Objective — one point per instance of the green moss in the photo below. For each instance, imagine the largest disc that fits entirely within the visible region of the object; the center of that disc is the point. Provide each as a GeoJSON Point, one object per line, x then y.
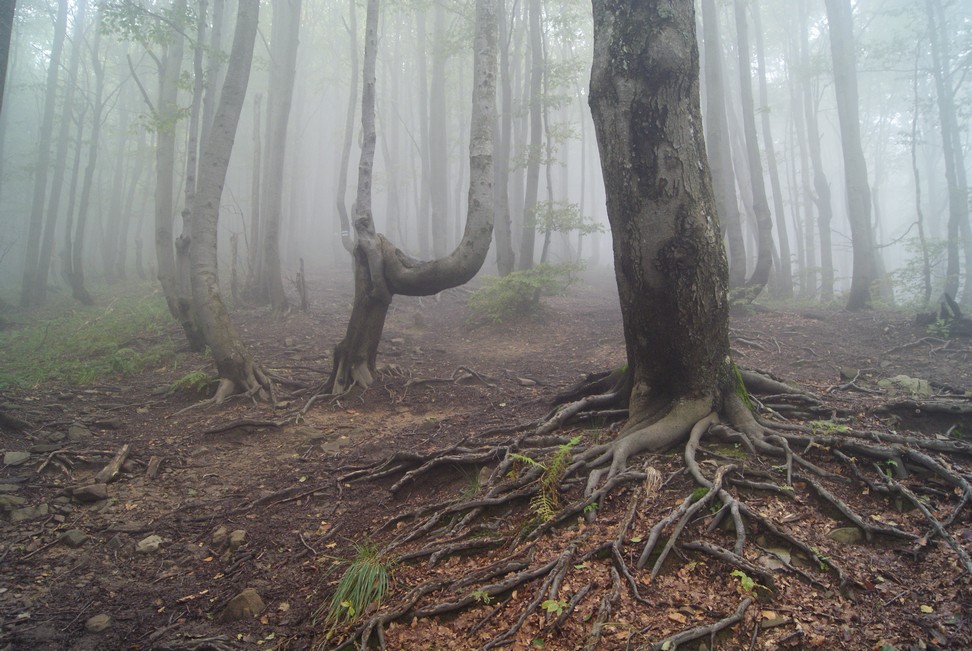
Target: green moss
{"type": "Point", "coordinates": [740, 388]}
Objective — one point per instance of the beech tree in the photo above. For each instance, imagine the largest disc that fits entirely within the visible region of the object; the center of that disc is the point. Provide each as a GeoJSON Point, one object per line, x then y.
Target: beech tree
{"type": "Point", "coordinates": [381, 269]}
{"type": "Point", "coordinates": [237, 371]}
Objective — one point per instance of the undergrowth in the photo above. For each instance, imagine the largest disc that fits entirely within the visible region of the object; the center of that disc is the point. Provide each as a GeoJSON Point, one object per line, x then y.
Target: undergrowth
{"type": "Point", "coordinates": [81, 345]}
{"type": "Point", "coordinates": [518, 293]}
{"type": "Point", "coordinates": [365, 582]}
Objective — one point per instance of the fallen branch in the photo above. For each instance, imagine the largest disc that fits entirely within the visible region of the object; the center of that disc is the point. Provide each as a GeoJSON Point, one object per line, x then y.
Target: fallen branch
{"type": "Point", "coordinates": [674, 641]}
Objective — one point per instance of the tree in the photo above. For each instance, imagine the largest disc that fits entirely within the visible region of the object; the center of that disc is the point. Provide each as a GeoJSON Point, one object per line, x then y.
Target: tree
{"type": "Point", "coordinates": [841, 28]}
{"type": "Point", "coordinates": [237, 371]}
{"type": "Point", "coordinates": [529, 230]}
{"type": "Point", "coordinates": [27, 296]}
{"type": "Point", "coordinates": [381, 270]}
{"type": "Point", "coordinates": [7, 10]}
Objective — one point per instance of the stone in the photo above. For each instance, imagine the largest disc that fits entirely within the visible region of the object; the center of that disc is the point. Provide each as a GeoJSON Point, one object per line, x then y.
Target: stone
{"type": "Point", "coordinates": [56, 437]}
{"type": "Point", "coordinates": [526, 382]}
{"type": "Point", "coordinates": [847, 535]}
{"type": "Point", "coordinates": [43, 448]}
{"type": "Point", "coordinates": [11, 502]}
{"type": "Point", "coordinates": [219, 537]}
{"type": "Point", "coordinates": [91, 493]}
{"type": "Point", "coordinates": [236, 539]}
{"type": "Point", "coordinates": [108, 423]}
{"type": "Point", "coordinates": [29, 513]}
{"type": "Point", "coordinates": [74, 538]}
{"type": "Point", "coordinates": [246, 604]}
{"type": "Point", "coordinates": [847, 373]}
{"type": "Point", "coordinates": [149, 544]}
{"type": "Point", "coordinates": [77, 433]}
{"type": "Point", "coordinates": [398, 341]}
{"type": "Point", "coordinates": [9, 488]}
{"type": "Point", "coordinates": [98, 623]}
{"type": "Point", "coordinates": [905, 384]}
{"type": "Point", "coordinates": [15, 458]}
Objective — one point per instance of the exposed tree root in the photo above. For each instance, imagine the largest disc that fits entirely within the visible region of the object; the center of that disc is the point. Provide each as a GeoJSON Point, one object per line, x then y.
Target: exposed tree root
{"type": "Point", "coordinates": [777, 457]}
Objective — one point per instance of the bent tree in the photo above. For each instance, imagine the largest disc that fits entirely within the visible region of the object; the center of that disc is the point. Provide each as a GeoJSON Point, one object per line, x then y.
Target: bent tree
{"type": "Point", "coordinates": [556, 579]}
{"type": "Point", "coordinates": [381, 269]}
{"type": "Point", "coordinates": [237, 372]}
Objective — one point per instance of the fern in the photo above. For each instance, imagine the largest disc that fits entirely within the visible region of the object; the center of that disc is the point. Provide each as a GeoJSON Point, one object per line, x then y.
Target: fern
{"type": "Point", "coordinates": [546, 503]}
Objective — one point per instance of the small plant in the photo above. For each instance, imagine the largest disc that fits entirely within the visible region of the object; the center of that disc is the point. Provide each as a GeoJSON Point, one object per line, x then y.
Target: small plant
{"type": "Point", "coordinates": [546, 502]}
{"type": "Point", "coordinates": [518, 293]}
{"type": "Point", "coordinates": [699, 493]}
{"type": "Point", "coordinates": [554, 606]}
{"type": "Point", "coordinates": [590, 508]}
{"type": "Point", "coordinates": [746, 582]}
{"type": "Point", "coordinates": [365, 582]}
{"type": "Point", "coordinates": [889, 467]}
{"type": "Point", "coordinates": [939, 328]}
{"type": "Point", "coordinates": [482, 597]}
{"type": "Point", "coordinates": [827, 427]}
{"type": "Point", "coordinates": [193, 382]}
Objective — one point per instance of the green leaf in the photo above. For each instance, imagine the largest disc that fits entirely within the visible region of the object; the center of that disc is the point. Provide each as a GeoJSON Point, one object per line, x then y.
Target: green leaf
{"type": "Point", "coordinates": [926, 609]}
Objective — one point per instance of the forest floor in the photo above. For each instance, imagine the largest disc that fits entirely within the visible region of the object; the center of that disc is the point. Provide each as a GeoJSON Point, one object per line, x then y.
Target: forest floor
{"type": "Point", "coordinates": [155, 558]}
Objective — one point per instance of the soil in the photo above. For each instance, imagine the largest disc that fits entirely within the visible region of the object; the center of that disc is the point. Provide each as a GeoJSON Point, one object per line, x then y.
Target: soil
{"type": "Point", "coordinates": [275, 475]}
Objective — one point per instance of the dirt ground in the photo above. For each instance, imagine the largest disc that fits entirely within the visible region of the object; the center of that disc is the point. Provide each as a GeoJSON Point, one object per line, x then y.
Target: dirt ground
{"type": "Point", "coordinates": [274, 476]}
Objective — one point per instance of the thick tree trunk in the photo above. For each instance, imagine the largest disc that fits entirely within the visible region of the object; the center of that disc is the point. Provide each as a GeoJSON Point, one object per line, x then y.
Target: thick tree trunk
{"type": "Point", "coordinates": [237, 372]}
{"type": "Point", "coordinates": [669, 259]}
{"type": "Point", "coordinates": [27, 297]}
{"type": "Point", "coordinates": [841, 30]}
{"type": "Point", "coordinates": [717, 142]}
{"type": "Point", "coordinates": [438, 151]}
{"type": "Point", "coordinates": [381, 270]}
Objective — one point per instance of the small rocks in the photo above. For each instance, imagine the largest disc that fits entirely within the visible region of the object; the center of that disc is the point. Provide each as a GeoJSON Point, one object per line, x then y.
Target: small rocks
{"type": "Point", "coordinates": [398, 341]}
{"type": "Point", "coordinates": [904, 384]}
{"type": "Point", "coordinates": [11, 502]}
{"type": "Point", "coordinates": [29, 513]}
{"type": "Point", "coordinates": [98, 624]}
{"type": "Point", "coordinates": [236, 538]}
{"type": "Point", "coordinates": [9, 488]}
{"type": "Point", "coordinates": [149, 544]}
{"type": "Point", "coordinates": [246, 604]}
{"type": "Point", "coordinates": [91, 493]}
{"type": "Point", "coordinates": [219, 537]}
{"type": "Point", "coordinates": [74, 538]}
{"type": "Point", "coordinates": [78, 433]}
{"type": "Point", "coordinates": [847, 535]}
{"type": "Point", "coordinates": [15, 458]}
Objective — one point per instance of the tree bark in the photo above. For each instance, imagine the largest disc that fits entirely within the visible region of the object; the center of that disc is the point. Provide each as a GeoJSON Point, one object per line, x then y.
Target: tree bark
{"type": "Point", "coordinates": [529, 230]}
{"type": "Point", "coordinates": [237, 372]}
{"type": "Point", "coordinates": [505, 258]}
{"type": "Point", "coordinates": [7, 12]}
{"type": "Point", "coordinates": [344, 220]}
{"type": "Point", "coordinates": [27, 293]}
{"type": "Point", "coordinates": [669, 259]}
{"type": "Point", "coordinates": [381, 270]}
{"type": "Point", "coordinates": [841, 28]}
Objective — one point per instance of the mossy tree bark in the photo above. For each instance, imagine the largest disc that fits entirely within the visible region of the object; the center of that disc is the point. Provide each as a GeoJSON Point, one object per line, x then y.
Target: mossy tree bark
{"type": "Point", "coordinates": [237, 371]}
{"type": "Point", "coordinates": [381, 270]}
{"type": "Point", "coordinates": [669, 258]}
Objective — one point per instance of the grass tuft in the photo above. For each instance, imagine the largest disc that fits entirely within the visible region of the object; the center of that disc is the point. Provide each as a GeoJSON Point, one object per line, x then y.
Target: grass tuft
{"type": "Point", "coordinates": [365, 582]}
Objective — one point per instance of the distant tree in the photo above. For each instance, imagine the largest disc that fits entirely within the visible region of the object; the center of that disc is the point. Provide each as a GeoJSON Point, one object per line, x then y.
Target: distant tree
{"type": "Point", "coordinates": [841, 29]}
{"type": "Point", "coordinates": [7, 10]}
{"type": "Point", "coordinates": [529, 231]}
{"type": "Point", "coordinates": [381, 270]}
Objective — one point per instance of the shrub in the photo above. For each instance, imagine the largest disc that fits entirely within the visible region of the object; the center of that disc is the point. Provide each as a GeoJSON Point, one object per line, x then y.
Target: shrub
{"type": "Point", "coordinates": [518, 294]}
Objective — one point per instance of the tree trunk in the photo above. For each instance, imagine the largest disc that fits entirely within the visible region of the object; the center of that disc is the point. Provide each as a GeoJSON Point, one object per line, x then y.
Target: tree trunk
{"type": "Point", "coordinates": [786, 272]}
{"type": "Point", "coordinates": [764, 221]}
{"type": "Point", "coordinates": [237, 372]}
{"type": "Point", "coordinates": [841, 29]}
{"type": "Point", "coordinates": [342, 186]}
{"type": "Point", "coordinates": [529, 230]}
{"type": "Point", "coordinates": [7, 11]}
{"type": "Point", "coordinates": [669, 259]}
{"type": "Point", "coordinates": [283, 67]}
{"type": "Point", "coordinates": [61, 155]}
{"type": "Point", "coordinates": [253, 257]}
{"type": "Point", "coordinates": [502, 231]}
{"type": "Point", "coordinates": [27, 289]}
{"type": "Point", "coordinates": [717, 142]}
{"type": "Point", "coordinates": [381, 270]}
{"type": "Point", "coordinates": [438, 152]}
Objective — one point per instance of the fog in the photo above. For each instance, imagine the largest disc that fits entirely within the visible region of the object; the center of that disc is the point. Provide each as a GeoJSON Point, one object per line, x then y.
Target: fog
{"type": "Point", "coordinates": [98, 198]}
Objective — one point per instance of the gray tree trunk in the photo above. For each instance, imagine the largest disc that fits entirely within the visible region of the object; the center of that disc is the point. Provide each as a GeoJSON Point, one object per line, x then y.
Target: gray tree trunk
{"type": "Point", "coordinates": [237, 372]}
{"type": "Point", "coordinates": [29, 281]}
{"type": "Point", "coordinates": [841, 29]}
{"type": "Point", "coordinates": [344, 221]}
{"type": "Point", "coordinates": [7, 11]}
{"type": "Point", "coordinates": [502, 230]}
{"type": "Point", "coordinates": [529, 230]}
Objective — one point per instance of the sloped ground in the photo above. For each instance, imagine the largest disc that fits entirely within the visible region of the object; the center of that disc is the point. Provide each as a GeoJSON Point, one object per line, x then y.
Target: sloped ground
{"type": "Point", "coordinates": [273, 475]}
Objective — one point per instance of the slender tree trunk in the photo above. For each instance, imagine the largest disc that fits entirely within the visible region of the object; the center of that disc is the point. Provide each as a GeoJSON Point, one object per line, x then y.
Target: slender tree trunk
{"type": "Point", "coordinates": [786, 272]}
{"type": "Point", "coordinates": [342, 185]}
{"type": "Point", "coordinates": [7, 10]}
{"type": "Point", "coordinates": [502, 230]}
{"type": "Point", "coordinates": [764, 221]}
{"type": "Point", "coordinates": [425, 197]}
{"type": "Point", "coordinates": [283, 67]}
{"type": "Point", "coordinates": [214, 71]}
{"type": "Point", "coordinates": [61, 155]}
{"type": "Point", "coordinates": [256, 174]}
{"type": "Point", "coordinates": [841, 28]}
{"type": "Point", "coordinates": [128, 214]}
{"type": "Point", "coordinates": [31, 270]}
{"type": "Point", "coordinates": [237, 372]}
{"type": "Point", "coordinates": [529, 232]}
{"type": "Point", "coordinates": [717, 142]}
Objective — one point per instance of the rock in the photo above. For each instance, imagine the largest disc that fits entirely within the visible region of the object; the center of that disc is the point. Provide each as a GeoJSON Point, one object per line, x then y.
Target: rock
{"type": "Point", "coordinates": [15, 458]}
{"type": "Point", "coordinates": [219, 537]}
{"type": "Point", "coordinates": [11, 502]}
{"type": "Point", "coordinates": [526, 382]}
{"type": "Point", "coordinates": [29, 513]}
{"type": "Point", "coordinates": [246, 604]}
{"type": "Point", "coordinates": [108, 423]}
{"type": "Point", "coordinates": [9, 488]}
{"type": "Point", "coordinates": [56, 437]}
{"type": "Point", "coordinates": [77, 433]}
{"type": "Point", "coordinates": [91, 493]}
{"type": "Point", "coordinates": [43, 448]}
{"type": "Point", "coordinates": [236, 539]}
{"type": "Point", "coordinates": [847, 535]}
{"type": "Point", "coordinates": [848, 373]}
{"type": "Point", "coordinates": [74, 538]}
{"type": "Point", "coordinates": [98, 623]}
{"type": "Point", "coordinates": [904, 384]}
{"type": "Point", "coordinates": [149, 544]}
